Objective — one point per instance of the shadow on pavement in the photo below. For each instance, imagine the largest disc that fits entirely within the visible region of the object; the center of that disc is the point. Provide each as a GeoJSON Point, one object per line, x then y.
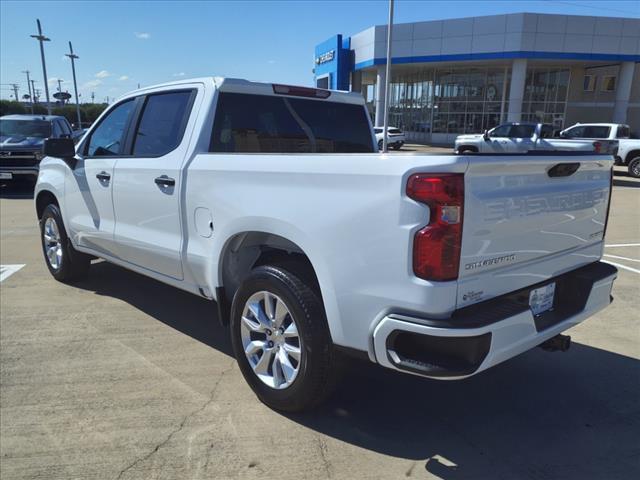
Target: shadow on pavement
{"type": "Point", "coordinates": [182, 311]}
{"type": "Point", "coordinates": [626, 183]}
{"type": "Point", "coordinates": [16, 189]}
{"type": "Point", "coordinates": [573, 415]}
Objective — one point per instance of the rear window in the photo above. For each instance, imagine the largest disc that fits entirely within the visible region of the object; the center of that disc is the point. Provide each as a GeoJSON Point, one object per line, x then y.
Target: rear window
{"type": "Point", "coordinates": [247, 123]}
{"type": "Point", "coordinates": [394, 130]}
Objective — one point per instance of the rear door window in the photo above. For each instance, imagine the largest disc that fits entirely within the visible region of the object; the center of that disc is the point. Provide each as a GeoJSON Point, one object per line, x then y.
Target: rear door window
{"type": "Point", "coordinates": [246, 123]}
{"type": "Point", "coordinates": [162, 123]}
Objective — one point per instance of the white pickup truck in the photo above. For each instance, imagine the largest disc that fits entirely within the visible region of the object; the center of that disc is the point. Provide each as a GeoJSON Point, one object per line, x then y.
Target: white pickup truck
{"type": "Point", "coordinates": [527, 137]}
{"type": "Point", "coordinates": [273, 201]}
{"type": "Point", "coordinates": [628, 148]}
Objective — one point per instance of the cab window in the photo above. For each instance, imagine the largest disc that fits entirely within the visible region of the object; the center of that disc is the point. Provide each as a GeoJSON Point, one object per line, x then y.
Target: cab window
{"type": "Point", "coordinates": [107, 140]}
{"type": "Point", "coordinates": [501, 131]}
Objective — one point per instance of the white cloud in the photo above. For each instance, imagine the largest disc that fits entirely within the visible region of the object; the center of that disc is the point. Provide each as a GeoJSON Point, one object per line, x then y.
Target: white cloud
{"type": "Point", "coordinates": [142, 35]}
{"type": "Point", "coordinates": [102, 74]}
{"type": "Point", "coordinates": [92, 84]}
{"type": "Point", "coordinates": [179, 74]}
{"type": "Point", "coordinates": [123, 78]}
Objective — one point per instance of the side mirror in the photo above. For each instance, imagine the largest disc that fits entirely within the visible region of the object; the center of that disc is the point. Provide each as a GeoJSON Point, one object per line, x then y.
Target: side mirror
{"type": "Point", "coordinates": [59, 147]}
{"type": "Point", "coordinates": [63, 148]}
{"type": "Point", "coordinates": [485, 135]}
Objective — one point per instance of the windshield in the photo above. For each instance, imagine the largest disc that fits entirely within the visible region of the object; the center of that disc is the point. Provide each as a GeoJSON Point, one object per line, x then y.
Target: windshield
{"type": "Point", "coordinates": [25, 128]}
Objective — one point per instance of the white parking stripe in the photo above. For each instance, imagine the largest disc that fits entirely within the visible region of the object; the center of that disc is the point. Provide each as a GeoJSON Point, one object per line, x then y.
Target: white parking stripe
{"type": "Point", "coordinates": [624, 267]}
{"type": "Point", "coordinates": [7, 270]}
{"type": "Point", "coordinates": [623, 245]}
{"type": "Point", "coordinates": [622, 258]}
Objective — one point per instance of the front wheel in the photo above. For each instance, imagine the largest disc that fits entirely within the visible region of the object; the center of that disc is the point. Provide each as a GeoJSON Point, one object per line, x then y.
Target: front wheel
{"type": "Point", "coordinates": [634, 167]}
{"type": "Point", "coordinates": [64, 262]}
{"type": "Point", "coordinates": [281, 340]}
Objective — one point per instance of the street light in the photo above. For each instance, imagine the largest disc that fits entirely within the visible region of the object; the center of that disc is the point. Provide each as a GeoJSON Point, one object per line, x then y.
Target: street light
{"type": "Point", "coordinates": [73, 58]}
{"type": "Point", "coordinates": [41, 38]}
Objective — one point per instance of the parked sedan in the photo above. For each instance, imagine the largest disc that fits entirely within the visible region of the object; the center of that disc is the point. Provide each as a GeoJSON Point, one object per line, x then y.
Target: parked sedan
{"type": "Point", "coordinates": [395, 137]}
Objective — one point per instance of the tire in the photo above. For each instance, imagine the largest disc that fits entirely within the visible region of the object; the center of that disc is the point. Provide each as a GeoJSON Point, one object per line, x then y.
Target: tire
{"type": "Point", "coordinates": [397, 146]}
{"type": "Point", "coordinates": [634, 167]}
{"type": "Point", "coordinates": [380, 144]}
{"type": "Point", "coordinates": [63, 261]}
{"type": "Point", "coordinates": [280, 380]}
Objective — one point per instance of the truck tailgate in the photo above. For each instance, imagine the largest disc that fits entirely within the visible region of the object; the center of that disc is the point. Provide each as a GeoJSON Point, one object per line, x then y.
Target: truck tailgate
{"type": "Point", "coordinates": [527, 219]}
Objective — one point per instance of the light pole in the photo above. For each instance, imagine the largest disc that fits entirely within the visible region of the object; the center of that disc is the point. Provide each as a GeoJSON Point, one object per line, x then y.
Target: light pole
{"type": "Point", "coordinates": [387, 80]}
{"type": "Point", "coordinates": [73, 58]}
{"type": "Point", "coordinates": [41, 38]}
{"type": "Point", "coordinates": [15, 91]}
{"type": "Point", "coordinates": [29, 88]}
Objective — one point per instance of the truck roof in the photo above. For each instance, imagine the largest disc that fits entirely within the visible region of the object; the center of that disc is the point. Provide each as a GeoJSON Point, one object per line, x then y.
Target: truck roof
{"type": "Point", "coordinates": [31, 117]}
{"type": "Point", "coordinates": [240, 85]}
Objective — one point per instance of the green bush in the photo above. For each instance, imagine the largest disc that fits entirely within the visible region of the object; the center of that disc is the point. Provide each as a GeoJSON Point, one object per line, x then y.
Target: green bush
{"type": "Point", "coordinates": [89, 112]}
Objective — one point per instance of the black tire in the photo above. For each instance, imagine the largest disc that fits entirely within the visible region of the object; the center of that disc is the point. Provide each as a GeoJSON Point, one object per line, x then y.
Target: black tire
{"type": "Point", "coordinates": [634, 167]}
{"type": "Point", "coordinates": [72, 264]}
{"type": "Point", "coordinates": [380, 144]}
{"type": "Point", "coordinates": [397, 146]}
{"type": "Point", "coordinates": [316, 375]}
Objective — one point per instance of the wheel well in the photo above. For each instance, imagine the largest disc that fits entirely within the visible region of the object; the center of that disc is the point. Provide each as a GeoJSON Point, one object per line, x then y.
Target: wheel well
{"type": "Point", "coordinates": [631, 155]}
{"type": "Point", "coordinates": [248, 250]}
{"type": "Point", "coordinates": [43, 199]}
{"type": "Point", "coordinates": [468, 148]}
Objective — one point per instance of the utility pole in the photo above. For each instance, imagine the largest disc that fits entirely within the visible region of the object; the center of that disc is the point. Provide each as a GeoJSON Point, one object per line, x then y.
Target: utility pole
{"type": "Point", "coordinates": [41, 38]}
{"type": "Point", "coordinates": [387, 80]}
{"type": "Point", "coordinates": [93, 96]}
{"type": "Point", "coordinates": [60, 85]}
{"type": "Point", "coordinates": [73, 58]}
{"type": "Point", "coordinates": [29, 88]}
{"type": "Point", "coordinates": [33, 89]}
{"type": "Point", "coordinates": [15, 91]}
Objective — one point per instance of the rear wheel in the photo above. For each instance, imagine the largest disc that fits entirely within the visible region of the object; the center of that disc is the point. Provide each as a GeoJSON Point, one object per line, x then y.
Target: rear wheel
{"type": "Point", "coordinates": [63, 261]}
{"type": "Point", "coordinates": [397, 146]}
{"type": "Point", "coordinates": [281, 340]}
{"type": "Point", "coordinates": [634, 167]}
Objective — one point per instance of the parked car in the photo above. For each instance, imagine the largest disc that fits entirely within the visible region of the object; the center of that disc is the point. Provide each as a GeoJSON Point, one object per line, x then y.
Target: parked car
{"type": "Point", "coordinates": [395, 137]}
{"type": "Point", "coordinates": [527, 137]}
{"type": "Point", "coordinates": [628, 148]}
{"type": "Point", "coordinates": [21, 140]}
{"type": "Point", "coordinates": [273, 201]}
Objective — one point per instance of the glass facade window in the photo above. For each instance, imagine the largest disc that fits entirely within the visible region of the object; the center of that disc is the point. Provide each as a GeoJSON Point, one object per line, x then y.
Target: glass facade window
{"type": "Point", "coordinates": [545, 95]}
{"type": "Point", "coordinates": [453, 100]}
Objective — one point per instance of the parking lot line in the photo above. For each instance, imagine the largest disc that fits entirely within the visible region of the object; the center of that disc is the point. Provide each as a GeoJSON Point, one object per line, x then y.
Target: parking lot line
{"type": "Point", "coordinates": [624, 267]}
{"type": "Point", "coordinates": [622, 258]}
{"type": "Point", "coordinates": [623, 245]}
{"type": "Point", "coordinates": [7, 270]}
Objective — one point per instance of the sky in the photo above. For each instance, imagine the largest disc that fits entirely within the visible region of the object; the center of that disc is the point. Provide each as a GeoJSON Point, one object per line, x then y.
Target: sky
{"type": "Point", "coordinates": [125, 43]}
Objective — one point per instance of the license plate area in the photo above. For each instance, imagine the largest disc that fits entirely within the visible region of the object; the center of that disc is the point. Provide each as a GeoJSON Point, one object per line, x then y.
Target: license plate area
{"type": "Point", "coordinates": [541, 298]}
{"type": "Point", "coordinates": [6, 176]}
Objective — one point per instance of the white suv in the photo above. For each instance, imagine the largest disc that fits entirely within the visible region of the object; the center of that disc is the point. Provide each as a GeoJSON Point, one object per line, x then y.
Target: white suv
{"type": "Point", "coordinates": [395, 137]}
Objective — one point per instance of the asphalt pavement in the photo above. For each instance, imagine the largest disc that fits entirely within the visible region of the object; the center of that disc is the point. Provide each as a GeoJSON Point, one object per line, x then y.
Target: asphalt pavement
{"type": "Point", "coordinates": [122, 377]}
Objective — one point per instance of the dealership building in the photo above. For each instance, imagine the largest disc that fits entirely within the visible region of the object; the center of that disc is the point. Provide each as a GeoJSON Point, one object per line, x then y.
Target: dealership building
{"type": "Point", "coordinates": [466, 75]}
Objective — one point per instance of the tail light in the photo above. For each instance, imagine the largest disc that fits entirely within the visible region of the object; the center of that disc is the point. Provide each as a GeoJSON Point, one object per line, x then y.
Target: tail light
{"type": "Point", "coordinates": [436, 247]}
{"type": "Point", "coordinates": [597, 147]}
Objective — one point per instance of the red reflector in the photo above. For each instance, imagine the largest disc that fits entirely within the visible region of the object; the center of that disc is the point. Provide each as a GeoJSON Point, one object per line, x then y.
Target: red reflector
{"type": "Point", "coordinates": [436, 247]}
{"type": "Point", "coordinates": [300, 91]}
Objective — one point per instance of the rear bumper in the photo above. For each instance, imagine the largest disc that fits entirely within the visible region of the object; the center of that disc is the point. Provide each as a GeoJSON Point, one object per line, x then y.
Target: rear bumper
{"type": "Point", "coordinates": [479, 337]}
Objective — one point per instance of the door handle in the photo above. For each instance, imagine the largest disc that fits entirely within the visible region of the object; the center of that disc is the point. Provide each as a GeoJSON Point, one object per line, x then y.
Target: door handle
{"type": "Point", "coordinates": [103, 176]}
{"type": "Point", "coordinates": [165, 181]}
